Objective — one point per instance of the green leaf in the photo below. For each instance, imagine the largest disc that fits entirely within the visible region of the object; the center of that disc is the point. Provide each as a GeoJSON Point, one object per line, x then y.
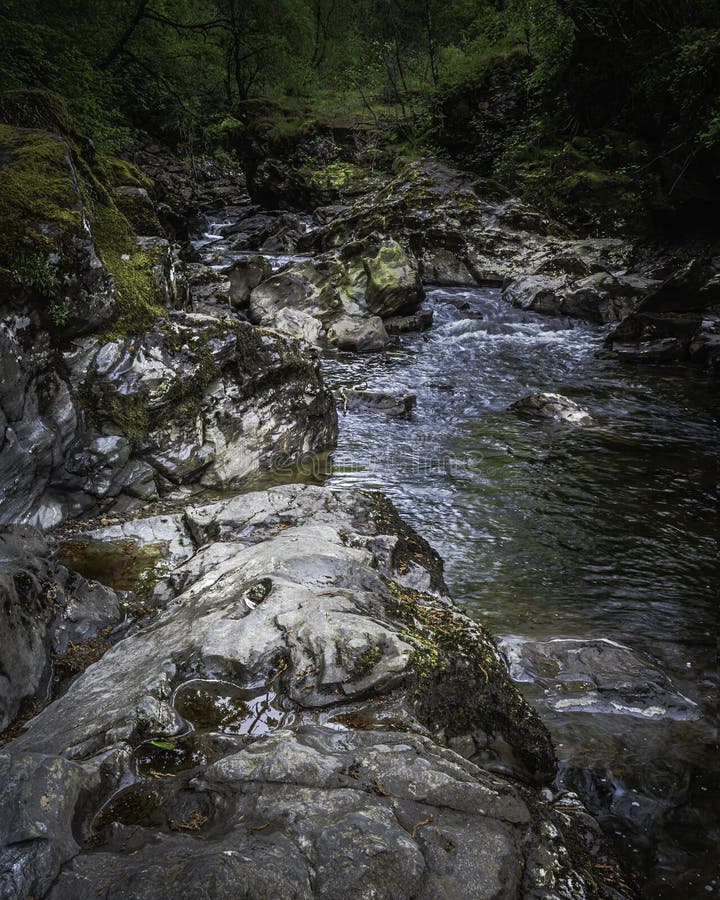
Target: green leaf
{"type": "Point", "coordinates": [162, 745]}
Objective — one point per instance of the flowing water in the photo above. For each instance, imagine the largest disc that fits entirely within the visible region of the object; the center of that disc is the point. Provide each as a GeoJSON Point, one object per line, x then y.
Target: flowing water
{"type": "Point", "coordinates": [551, 531]}
{"type": "Point", "coordinates": [548, 530]}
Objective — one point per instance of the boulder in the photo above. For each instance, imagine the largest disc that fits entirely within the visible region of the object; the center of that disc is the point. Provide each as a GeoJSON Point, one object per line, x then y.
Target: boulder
{"type": "Point", "coordinates": [358, 333]}
{"type": "Point", "coordinates": [393, 282]}
{"type": "Point", "coordinates": [377, 401]}
{"type": "Point", "coordinates": [188, 395]}
{"type": "Point", "coordinates": [553, 406]}
{"type": "Point", "coordinates": [283, 725]}
{"type": "Point", "coordinates": [679, 321]}
{"type": "Point", "coordinates": [244, 276]}
{"type": "Point", "coordinates": [419, 321]}
{"type": "Point", "coordinates": [301, 286]}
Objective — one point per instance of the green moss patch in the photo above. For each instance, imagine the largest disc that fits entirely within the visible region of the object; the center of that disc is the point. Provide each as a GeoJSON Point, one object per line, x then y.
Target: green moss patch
{"type": "Point", "coordinates": [40, 200]}
{"type": "Point", "coordinates": [459, 682]}
{"type": "Point", "coordinates": [134, 271]}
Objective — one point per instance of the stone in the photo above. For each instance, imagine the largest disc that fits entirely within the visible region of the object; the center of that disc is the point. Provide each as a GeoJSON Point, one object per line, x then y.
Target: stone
{"type": "Point", "coordinates": [553, 406]}
{"type": "Point", "coordinates": [597, 676]}
{"type": "Point", "coordinates": [297, 324]}
{"type": "Point", "coordinates": [360, 334]}
{"type": "Point", "coordinates": [321, 609]}
{"type": "Point", "coordinates": [300, 286]}
{"type": "Point", "coordinates": [244, 276]}
{"type": "Point", "coordinates": [43, 607]}
{"type": "Point", "coordinates": [420, 321]}
{"type": "Point", "coordinates": [393, 282]}
{"type": "Point", "coordinates": [377, 401]}
{"type": "Point", "coordinates": [187, 395]}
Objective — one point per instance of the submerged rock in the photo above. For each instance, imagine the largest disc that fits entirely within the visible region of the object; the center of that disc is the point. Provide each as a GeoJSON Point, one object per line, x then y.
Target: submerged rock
{"type": "Point", "coordinates": [378, 401]}
{"type": "Point", "coordinates": [597, 676]}
{"type": "Point", "coordinates": [330, 607]}
{"type": "Point", "coordinates": [553, 406]}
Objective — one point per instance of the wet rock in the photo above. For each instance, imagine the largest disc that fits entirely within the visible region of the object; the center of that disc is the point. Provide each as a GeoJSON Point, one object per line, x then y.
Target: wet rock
{"type": "Point", "coordinates": [337, 290]}
{"type": "Point", "coordinates": [208, 290]}
{"type": "Point", "coordinates": [441, 217]}
{"type": "Point", "coordinates": [420, 321]}
{"type": "Point", "coordinates": [43, 608]}
{"type": "Point", "coordinates": [446, 268]}
{"type": "Point", "coordinates": [597, 676]}
{"type": "Point", "coordinates": [301, 287]}
{"type": "Point", "coordinates": [378, 401]}
{"type": "Point", "coordinates": [678, 321]}
{"type": "Point", "coordinates": [245, 275]}
{"type": "Point", "coordinates": [553, 406]}
{"type": "Point", "coordinates": [393, 282]}
{"type": "Point", "coordinates": [38, 419]}
{"type": "Point", "coordinates": [360, 334]}
{"type": "Point", "coordinates": [303, 593]}
{"type": "Point", "coordinates": [599, 297]}
{"type": "Point", "coordinates": [187, 394]}
{"type": "Point", "coordinates": [297, 324]}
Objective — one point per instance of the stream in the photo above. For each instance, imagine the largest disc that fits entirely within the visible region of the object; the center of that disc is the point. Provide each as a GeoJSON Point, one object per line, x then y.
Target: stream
{"type": "Point", "coordinates": [605, 533]}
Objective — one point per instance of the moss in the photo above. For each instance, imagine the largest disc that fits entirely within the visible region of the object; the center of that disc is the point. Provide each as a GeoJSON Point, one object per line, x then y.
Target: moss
{"type": "Point", "coordinates": [40, 201]}
{"type": "Point", "coordinates": [182, 401]}
{"type": "Point", "coordinates": [121, 173]}
{"type": "Point", "coordinates": [37, 109]}
{"type": "Point", "coordinates": [138, 211]}
{"type": "Point", "coordinates": [595, 184]}
{"type": "Point", "coordinates": [367, 661]}
{"type": "Point", "coordinates": [335, 176]}
{"type": "Point", "coordinates": [50, 194]}
{"type": "Point", "coordinates": [459, 682]}
{"type": "Point", "coordinates": [139, 298]}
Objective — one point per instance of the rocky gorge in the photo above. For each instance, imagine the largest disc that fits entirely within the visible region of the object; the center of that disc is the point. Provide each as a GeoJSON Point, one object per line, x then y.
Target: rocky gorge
{"type": "Point", "coordinates": [225, 668]}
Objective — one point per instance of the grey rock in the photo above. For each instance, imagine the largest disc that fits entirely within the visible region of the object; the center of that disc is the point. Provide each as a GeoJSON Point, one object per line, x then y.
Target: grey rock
{"type": "Point", "coordinates": [553, 406]}
{"type": "Point", "coordinates": [419, 321]}
{"type": "Point", "coordinates": [38, 419]}
{"type": "Point", "coordinates": [297, 324]}
{"type": "Point", "coordinates": [188, 395]}
{"type": "Point", "coordinates": [305, 591]}
{"type": "Point", "coordinates": [42, 608]}
{"type": "Point", "coordinates": [378, 401]}
{"type": "Point", "coordinates": [360, 334]}
{"type": "Point", "coordinates": [244, 276]}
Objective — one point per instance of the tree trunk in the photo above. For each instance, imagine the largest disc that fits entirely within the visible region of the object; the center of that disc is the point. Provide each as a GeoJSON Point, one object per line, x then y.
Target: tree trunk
{"type": "Point", "coordinates": [119, 45]}
{"type": "Point", "coordinates": [431, 41]}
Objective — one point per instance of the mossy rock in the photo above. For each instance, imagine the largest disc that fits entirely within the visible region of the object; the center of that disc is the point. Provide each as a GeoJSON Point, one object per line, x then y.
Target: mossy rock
{"type": "Point", "coordinates": [38, 109]}
{"type": "Point", "coordinates": [594, 184]}
{"type": "Point", "coordinates": [41, 203]}
{"type": "Point", "coordinates": [122, 173]}
{"type": "Point", "coordinates": [459, 683]}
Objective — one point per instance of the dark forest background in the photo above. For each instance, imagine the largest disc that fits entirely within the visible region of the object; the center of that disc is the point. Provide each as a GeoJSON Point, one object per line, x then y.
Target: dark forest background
{"type": "Point", "coordinates": [589, 105]}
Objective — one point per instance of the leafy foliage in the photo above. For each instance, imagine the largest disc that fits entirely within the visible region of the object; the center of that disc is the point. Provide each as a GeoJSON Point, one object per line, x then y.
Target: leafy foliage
{"type": "Point", "coordinates": [507, 85]}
